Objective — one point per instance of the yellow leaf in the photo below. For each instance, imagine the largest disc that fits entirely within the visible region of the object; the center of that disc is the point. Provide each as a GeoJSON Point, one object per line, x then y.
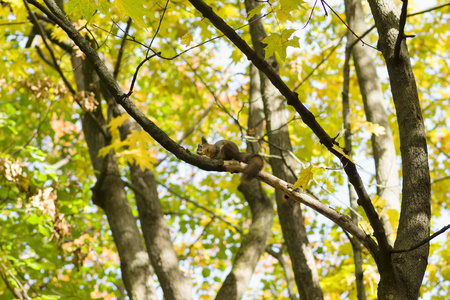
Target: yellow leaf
{"type": "Point", "coordinates": [186, 39]}
{"type": "Point", "coordinates": [303, 178]}
{"type": "Point", "coordinates": [286, 7]}
{"type": "Point", "coordinates": [86, 7]}
{"type": "Point", "coordinates": [255, 11]}
{"type": "Point", "coordinates": [118, 121]}
{"type": "Point", "coordinates": [277, 43]}
{"type": "Point", "coordinates": [375, 128]}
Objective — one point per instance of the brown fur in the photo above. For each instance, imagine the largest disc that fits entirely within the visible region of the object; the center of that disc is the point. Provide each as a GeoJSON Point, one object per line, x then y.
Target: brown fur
{"type": "Point", "coordinates": [227, 150]}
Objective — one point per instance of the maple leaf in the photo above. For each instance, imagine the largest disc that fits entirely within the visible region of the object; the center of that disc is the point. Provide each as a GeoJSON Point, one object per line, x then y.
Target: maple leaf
{"type": "Point", "coordinates": [88, 7]}
{"type": "Point", "coordinates": [277, 43]}
{"type": "Point", "coordinates": [186, 39]}
{"type": "Point", "coordinates": [255, 11]}
{"type": "Point", "coordinates": [375, 129]}
{"type": "Point", "coordinates": [286, 7]}
{"type": "Point", "coordinates": [304, 177]}
{"type": "Point", "coordinates": [132, 8]}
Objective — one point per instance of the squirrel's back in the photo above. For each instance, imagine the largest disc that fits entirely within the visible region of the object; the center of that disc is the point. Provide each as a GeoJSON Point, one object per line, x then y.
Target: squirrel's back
{"type": "Point", "coordinates": [227, 150]}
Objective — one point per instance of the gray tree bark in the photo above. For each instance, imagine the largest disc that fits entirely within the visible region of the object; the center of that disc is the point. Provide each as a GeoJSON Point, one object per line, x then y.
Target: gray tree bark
{"type": "Point", "coordinates": [383, 144]}
{"type": "Point", "coordinates": [253, 244]}
{"type": "Point", "coordinates": [290, 213]}
{"type": "Point", "coordinates": [110, 195]}
{"type": "Point", "coordinates": [402, 274]}
{"type": "Point", "coordinates": [154, 226]}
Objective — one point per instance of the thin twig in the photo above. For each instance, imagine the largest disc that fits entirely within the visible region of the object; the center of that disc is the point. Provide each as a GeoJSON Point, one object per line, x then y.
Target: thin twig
{"type": "Point", "coordinates": [429, 9]}
{"type": "Point", "coordinates": [444, 229]}
{"type": "Point", "coordinates": [133, 81]}
{"type": "Point", "coordinates": [159, 26]}
{"type": "Point", "coordinates": [319, 64]}
{"type": "Point", "coordinates": [348, 27]}
{"type": "Point", "coordinates": [122, 47]}
{"type": "Point", "coordinates": [310, 16]}
{"type": "Point", "coordinates": [401, 30]}
{"type": "Point", "coordinates": [440, 179]}
{"type": "Point", "coordinates": [213, 214]}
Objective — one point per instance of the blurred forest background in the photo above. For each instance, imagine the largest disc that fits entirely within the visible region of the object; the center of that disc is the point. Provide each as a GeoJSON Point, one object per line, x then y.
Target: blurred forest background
{"type": "Point", "coordinates": [92, 206]}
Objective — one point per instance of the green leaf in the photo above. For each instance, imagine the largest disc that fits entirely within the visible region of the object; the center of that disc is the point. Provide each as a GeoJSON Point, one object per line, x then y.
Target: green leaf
{"type": "Point", "coordinates": [206, 272]}
{"type": "Point", "coordinates": [277, 43]}
{"type": "Point", "coordinates": [33, 219]}
{"type": "Point", "coordinates": [186, 39]}
{"type": "Point", "coordinates": [286, 7]}
{"type": "Point", "coordinates": [44, 230]}
{"type": "Point", "coordinates": [86, 7]}
{"type": "Point", "coordinates": [132, 8]}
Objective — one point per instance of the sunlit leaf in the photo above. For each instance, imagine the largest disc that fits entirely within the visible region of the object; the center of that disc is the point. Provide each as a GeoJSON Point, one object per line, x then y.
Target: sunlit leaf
{"type": "Point", "coordinates": [303, 178]}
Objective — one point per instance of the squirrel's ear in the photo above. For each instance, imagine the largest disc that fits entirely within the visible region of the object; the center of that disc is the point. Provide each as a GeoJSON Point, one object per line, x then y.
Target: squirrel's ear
{"type": "Point", "coordinates": [204, 141]}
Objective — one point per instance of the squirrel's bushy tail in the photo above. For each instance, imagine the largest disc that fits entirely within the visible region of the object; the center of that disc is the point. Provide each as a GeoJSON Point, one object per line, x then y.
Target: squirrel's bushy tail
{"type": "Point", "coordinates": [255, 163]}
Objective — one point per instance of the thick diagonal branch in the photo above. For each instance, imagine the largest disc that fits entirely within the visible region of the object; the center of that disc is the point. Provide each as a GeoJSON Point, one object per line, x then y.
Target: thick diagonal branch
{"type": "Point", "coordinates": [307, 116]}
{"type": "Point", "coordinates": [56, 15]}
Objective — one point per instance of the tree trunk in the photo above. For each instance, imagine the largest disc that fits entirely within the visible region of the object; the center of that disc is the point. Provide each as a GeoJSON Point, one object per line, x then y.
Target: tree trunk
{"type": "Point", "coordinates": [382, 144]}
{"type": "Point", "coordinates": [154, 226]}
{"type": "Point", "coordinates": [255, 241]}
{"type": "Point", "coordinates": [110, 195]}
{"type": "Point", "coordinates": [290, 213]}
{"type": "Point", "coordinates": [404, 278]}
{"type": "Point", "coordinates": [253, 244]}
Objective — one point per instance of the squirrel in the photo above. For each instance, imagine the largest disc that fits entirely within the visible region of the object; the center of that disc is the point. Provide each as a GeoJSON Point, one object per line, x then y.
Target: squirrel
{"type": "Point", "coordinates": [227, 150]}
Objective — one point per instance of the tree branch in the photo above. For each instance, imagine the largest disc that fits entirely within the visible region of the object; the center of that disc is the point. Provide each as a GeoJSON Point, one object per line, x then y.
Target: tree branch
{"type": "Point", "coordinates": [116, 91]}
{"type": "Point", "coordinates": [444, 229]}
{"type": "Point", "coordinates": [121, 50]}
{"type": "Point", "coordinates": [50, 50]}
{"type": "Point", "coordinates": [218, 165]}
{"type": "Point", "coordinates": [342, 220]}
{"type": "Point", "coordinates": [401, 30]}
{"type": "Point", "coordinates": [55, 65]}
{"type": "Point", "coordinates": [307, 117]}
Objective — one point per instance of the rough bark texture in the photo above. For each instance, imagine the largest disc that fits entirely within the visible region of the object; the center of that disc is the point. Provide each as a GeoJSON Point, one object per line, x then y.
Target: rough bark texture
{"type": "Point", "coordinates": [154, 227]}
{"type": "Point", "coordinates": [403, 279]}
{"type": "Point", "coordinates": [157, 238]}
{"type": "Point", "coordinates": [290, 213]}
{"type": "Point", "coordinates": [383, 144]}
{"type": "Point", "coordinates": [110, 196]}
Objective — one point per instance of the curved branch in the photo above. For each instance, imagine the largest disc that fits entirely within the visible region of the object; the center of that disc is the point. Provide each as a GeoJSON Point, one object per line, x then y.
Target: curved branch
{"type": "Point", "coordinates": [56, 15]}
{"type": "Point", "coordinates": [307, 117]}
{"type": "Point", "coordinates": [218, 165]}
{"type": "Point", "coordinates": [122, 47]}
{"type": "Point", "coordinates": [442, 230]}
{"type": "Point", "coordinates": [340, 219]}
